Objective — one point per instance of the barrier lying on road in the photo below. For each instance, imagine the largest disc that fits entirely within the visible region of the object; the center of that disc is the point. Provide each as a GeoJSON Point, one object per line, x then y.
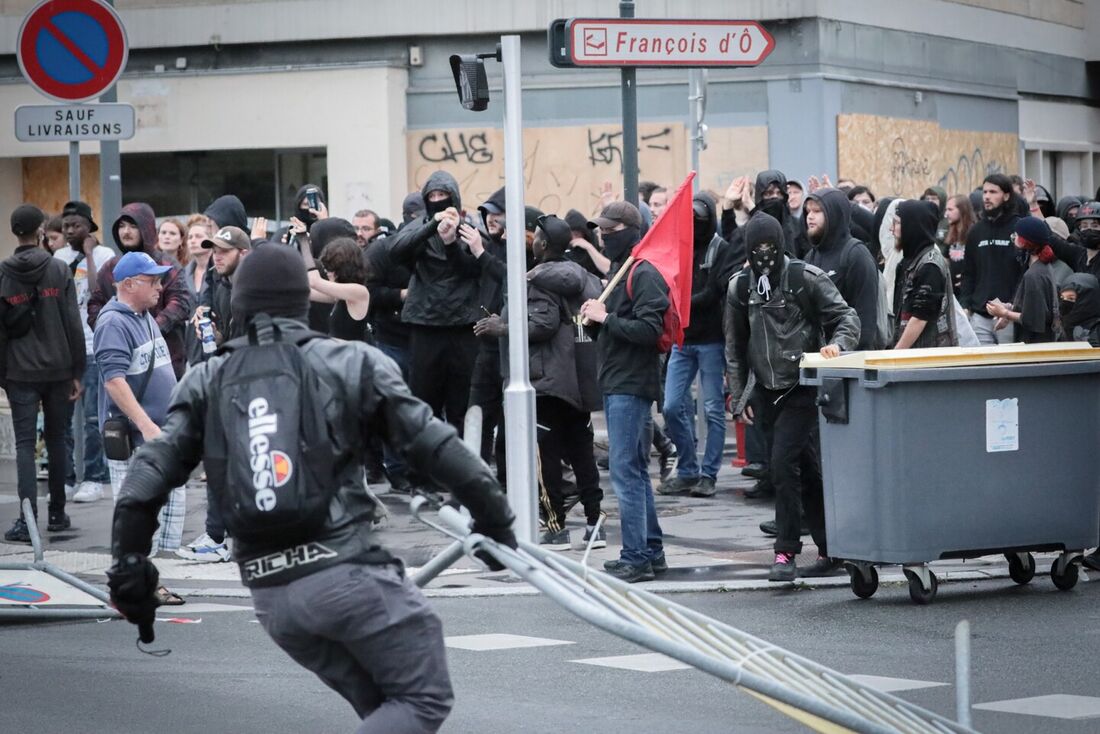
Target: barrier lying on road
{"type": "Point", "coordinates": [819, 697]}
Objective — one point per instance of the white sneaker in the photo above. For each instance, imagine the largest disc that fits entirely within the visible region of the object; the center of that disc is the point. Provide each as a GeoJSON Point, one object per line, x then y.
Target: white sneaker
{"type": "Point", "coordinates": [88, 492]}
{"type": "Point", "coordinates": [205, 550]}
{"type": "Point", "coordinates": [70, 490]}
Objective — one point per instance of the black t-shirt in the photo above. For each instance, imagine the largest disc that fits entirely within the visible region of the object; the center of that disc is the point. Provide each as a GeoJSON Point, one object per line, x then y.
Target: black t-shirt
{"type": "Point", "coordinates": [342, 326]}
{"type": "Point", "coordinates": [1035, 301]}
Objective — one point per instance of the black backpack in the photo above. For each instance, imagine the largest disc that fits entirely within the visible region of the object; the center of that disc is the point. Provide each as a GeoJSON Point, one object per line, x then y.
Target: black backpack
{"type": "Point", "coordinates": [268, 449]}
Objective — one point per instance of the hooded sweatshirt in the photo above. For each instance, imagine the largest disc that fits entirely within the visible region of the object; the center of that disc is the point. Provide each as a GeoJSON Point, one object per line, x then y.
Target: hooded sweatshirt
{"type": "Point", "coordinates": [1082, 322]}
{"type": "Point", "coordinates": [53, 349]}
{"type": "Point", "coordinates": [794, 240]}
{"type": "Point", "coordinates": [1061, 210]}
{"type": "Point", "coordinates": [443, 290]}
{"type": "Point", "coordinates": [176, 303]}
{"type": "Point", "coordinates": [846, 261]}
{"type": "Point", "coordinates": [712, 267]}
{"type": "Point", "coordinates": [228, 211]}
{"type": "Point", "coordinates": [125, 341]}
{"type": "Point", "coordinates": [923, 277]}
{"type": "Point", "coordinates": [991, 268]}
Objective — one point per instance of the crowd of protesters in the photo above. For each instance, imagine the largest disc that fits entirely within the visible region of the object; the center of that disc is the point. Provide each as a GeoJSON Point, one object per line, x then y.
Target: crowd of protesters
{"type": "Point", "coordinates": [779, 269]}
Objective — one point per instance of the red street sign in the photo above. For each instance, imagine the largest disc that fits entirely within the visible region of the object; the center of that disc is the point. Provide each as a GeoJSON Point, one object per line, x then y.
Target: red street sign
{"type": "Point", "coordinates": [658, 42]}
{"type": "Point", "coordinates": [72, 50]}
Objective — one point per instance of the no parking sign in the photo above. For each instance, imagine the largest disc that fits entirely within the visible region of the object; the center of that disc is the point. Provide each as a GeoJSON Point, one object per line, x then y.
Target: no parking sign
{"type": "Point", "coordinates": [72, 50]}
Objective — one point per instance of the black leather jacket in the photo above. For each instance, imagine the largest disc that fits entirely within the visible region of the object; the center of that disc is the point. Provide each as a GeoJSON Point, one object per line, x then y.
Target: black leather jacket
{"type": "Point", "coordinates": [371, 400]}
{"type": "Point", "coordinates": [770, 336]}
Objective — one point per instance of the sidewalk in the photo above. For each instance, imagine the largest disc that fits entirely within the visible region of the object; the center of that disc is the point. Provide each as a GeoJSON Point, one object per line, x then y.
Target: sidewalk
{"type": "Point", "coordinates": [712, 544]}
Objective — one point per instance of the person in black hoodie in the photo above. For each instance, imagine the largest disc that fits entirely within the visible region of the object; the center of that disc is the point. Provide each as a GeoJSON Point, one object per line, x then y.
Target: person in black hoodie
{"type": "Point", "coordinates": [630, 324]}
{"type": "Point", "coordinates": [1079, 303]}
{"type": "Point", "coordinates": [846, 260]}
{"type": "Point", "coordinates": [703, 352]}
{"type": "Point", "coordinates": [441, 305]}
{"type": "Point", "coordinates": [922, 286]}
{"type": "Point", "coordinates": [1081, 249]}
{"type": "Point", "coordinates": [991, 268]}
{"type": "Point", "coordinates": [769, 195]}
{"type": "Point", "coordinates": [43, 361]}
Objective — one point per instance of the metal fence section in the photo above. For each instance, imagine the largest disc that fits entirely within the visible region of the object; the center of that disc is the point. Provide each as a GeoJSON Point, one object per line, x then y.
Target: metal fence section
{"type": "Point", "coordinates": [819, 697]}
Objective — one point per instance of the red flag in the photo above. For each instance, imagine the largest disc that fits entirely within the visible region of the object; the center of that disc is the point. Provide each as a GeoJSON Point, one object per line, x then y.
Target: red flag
{"type": "Point", "coordinates": [669, 247]}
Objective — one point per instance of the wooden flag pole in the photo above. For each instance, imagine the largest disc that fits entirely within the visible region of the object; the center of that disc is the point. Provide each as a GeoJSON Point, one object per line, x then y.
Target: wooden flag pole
{"type": "Point", "coordinates": [611, 285]}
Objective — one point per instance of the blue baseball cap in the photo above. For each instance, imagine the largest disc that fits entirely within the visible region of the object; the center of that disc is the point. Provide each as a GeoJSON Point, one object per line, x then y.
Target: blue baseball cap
{"type": "Point", "coordinates": [137, 263]}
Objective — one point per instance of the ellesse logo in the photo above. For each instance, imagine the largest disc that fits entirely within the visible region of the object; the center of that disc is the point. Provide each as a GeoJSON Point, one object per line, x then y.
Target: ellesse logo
{"type": "Point", "coordinates": [271, 468]}
{"type": "Point", "coordinates": [281, 468]}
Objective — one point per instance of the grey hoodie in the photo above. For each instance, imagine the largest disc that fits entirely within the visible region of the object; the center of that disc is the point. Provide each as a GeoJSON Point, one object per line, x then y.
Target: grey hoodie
{"type": "Point", "coordinates": [124, 343]}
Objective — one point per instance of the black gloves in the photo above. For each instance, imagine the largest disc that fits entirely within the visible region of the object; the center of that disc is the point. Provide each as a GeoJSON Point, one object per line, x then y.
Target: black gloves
{"type": "Point", "coordinates": [502, 535]}
{"type": "Point", "coordinates": [133, 584]}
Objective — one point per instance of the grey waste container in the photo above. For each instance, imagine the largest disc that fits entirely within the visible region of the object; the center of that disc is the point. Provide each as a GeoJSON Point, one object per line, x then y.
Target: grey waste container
{"type": "Point", "coordinates": [959, 462]}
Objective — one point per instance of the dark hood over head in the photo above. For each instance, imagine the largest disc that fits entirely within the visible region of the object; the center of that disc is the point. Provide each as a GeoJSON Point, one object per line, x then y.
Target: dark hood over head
{"type": "Point", "coordinates": [764, 229]}
{"type": "Point", "coordinates": [940, 193]}
{"type": "Point", "coordinates": [579, 223]}
{"type": "Point", "coordinates": [228, 211]}
{"type": "Point", "coordinates": [764, 179]}
{"type": "Point", "coordinates": [705, 233]}
{"type": "Point", "coordinates": [1086, 310]}
{"type": "Point", "coordinates": [863, 223]}
{"type": "Point", "coordinates": [325, 231]}
{"type": "Point", "coordinates": [300, 195]}
{"type": "Point", "coordinates": [838, 218]}
{"type": "Point", "coordinates": [1062, 208]}
{"type": "Point", "coordinates": [442, 181]}
{"type": "Point", "coordinates": [142, 215]}
{"type": "Point", "coordinates": [27, 265]}
{"type": "Point", "coordinates": [919, 220]}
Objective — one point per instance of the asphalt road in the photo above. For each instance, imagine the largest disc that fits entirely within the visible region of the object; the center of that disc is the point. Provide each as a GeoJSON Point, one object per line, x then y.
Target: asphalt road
{"type": "Point", "coordinates": [224, 675]}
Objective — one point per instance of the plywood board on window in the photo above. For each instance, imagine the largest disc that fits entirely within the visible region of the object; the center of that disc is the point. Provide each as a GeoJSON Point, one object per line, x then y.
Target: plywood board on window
{"type": "Point", "coordinates": [46, 184]}
{"type": "Point", "coordinates": [565, 167]}
{"type": "Point", "coordinates": [899, 157]}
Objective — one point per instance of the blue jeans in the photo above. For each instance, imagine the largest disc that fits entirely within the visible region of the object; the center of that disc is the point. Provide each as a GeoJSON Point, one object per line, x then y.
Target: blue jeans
{"type": "Point", "coordinates": [95, 464]}
{"type": "Point", "coordinates": [709, 360]}
{"type": "Point", "coordinates": [628, 437]}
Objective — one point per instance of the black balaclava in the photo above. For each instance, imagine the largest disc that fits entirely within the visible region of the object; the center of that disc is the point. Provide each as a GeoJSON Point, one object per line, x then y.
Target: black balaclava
{"type": "Point", "coordinates": [326, 230]}
{"type": "Point", "coordinates": [1085, 311]}
{"type": "Point", "coordinates": [765, 242]}
{"type": "Point", "coordinates": [776, 208]}
{"type": "Point", "coordinates": [617, 245]}
{"type": "Point", "coordinates": [703, 224]}
{"type": "Point", "coordinates": [1088, 238]}
{"type": "Point", "coordinates": [271, 280]}
{"type": "Point", "coordinates": [919, 219]}
{"type": "Point", "coordinates": [303, 214]}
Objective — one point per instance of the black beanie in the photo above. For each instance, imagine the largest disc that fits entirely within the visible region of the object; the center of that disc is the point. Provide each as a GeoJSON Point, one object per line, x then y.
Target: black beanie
{"type": "Point", "coordinates": [271, 279]}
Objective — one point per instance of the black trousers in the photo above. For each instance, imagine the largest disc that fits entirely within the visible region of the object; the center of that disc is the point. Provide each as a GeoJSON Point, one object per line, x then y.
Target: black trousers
{"type": "Point", "coordinates": [795, 465]}
{"type": "Point", "coordinates": [24, 399]}
{"type": "Point", "coordinates": [564, 432]}
{"type": "Point", "coordinates": [441, 363]}
{"type": "Point", "coordinates": [487, 392]}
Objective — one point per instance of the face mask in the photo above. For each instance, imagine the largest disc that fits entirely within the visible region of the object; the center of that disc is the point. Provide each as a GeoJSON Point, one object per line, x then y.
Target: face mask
{"type": "Point", "coordinates": [701, 231]}
{"type": "Point", "coordinates": [1089, 238]}
{"type": "Point", "coordinates": [432, 208]}
{"type": "Point", "coordinates": [617, 244]}
{"type": "Point", "coordinates": [306, 217]}
{"type": "Point", "coordinates": [765, 260]}
{"type": "Point", "coordinates": [1066, 307]}
{"type": "Point", "coordinates": [773, 208]}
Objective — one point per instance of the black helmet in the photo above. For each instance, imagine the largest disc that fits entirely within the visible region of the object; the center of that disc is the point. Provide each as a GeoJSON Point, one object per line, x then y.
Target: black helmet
{"type": "Point", "coordinates": [1088, 210]}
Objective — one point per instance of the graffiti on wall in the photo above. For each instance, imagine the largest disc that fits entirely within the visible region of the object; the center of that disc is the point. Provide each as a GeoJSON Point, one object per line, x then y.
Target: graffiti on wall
{"type": "Point", "coordinates": [565, 167]}
{"type": "Point", "coordinates": [899, 157]}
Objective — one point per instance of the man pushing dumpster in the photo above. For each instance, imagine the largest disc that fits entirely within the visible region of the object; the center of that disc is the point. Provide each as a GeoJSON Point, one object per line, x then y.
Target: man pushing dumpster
{"type": "Point", "coordinates": [777, 310]}
{"type": "Point", "coordinates": [281, 418]}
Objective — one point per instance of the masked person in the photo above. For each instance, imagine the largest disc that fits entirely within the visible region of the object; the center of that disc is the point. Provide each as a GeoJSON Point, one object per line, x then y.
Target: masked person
{"type": "Point", "coordinates": [778, 309]}
{"type": "Point", "coordinates": [922, 302]}
{"type": "Point", "coordinates": [1080, 250]}
{"type": "Point", "coordinates": [702, 353]}
{"type": "Point", "coordinates": [1034, 306]}
{"type": "Point", "coordinates": [630, 324]}
{"type": "Point", "coordinates": [327, 592]}
{"type": "Point", "coordinates": [1079, 303]}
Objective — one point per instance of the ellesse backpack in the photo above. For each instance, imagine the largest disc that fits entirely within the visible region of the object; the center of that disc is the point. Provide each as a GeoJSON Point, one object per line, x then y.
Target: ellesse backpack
{"type": "Point", "coordinates": [268, 452]}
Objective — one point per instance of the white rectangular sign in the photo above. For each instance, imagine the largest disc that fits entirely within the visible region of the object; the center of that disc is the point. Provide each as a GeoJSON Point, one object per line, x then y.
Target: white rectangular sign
{"type": "Point", "coordinates": [637, 42]}
{"type": "Point", "coordinates": [1002, 425]}
{"type": "Point", "coordinates": [44, 123]}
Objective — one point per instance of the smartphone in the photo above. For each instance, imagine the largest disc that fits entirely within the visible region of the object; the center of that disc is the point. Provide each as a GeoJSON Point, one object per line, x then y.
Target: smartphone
{"type": "Point", "coordinates": [313, 199]}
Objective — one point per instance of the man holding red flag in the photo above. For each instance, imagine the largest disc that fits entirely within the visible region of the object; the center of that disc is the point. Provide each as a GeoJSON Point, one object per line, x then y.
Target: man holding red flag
{"type": "Point", "coordinates": [651, 277]}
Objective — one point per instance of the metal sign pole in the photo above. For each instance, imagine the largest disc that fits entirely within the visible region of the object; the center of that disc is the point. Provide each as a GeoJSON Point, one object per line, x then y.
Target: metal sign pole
{"type": "Point", "coordinates": [630, 121]}
{"type": "Point", "coordinates": [110, 168]}
{"type": "Point", "coordinates": [519, 396]}
{"type": "Point", "coordinates": [74, 170]}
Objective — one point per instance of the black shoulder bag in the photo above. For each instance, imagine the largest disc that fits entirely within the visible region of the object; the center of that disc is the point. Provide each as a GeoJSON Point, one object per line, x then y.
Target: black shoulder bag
{"type": "Point", "coordinates": [118, 443]}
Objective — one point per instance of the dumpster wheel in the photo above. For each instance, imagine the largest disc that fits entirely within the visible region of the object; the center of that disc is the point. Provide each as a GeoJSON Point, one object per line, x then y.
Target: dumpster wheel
{"type": "Point", "coordinates": [864, 578]}
{"type": "Point", "coordinates": [1063, 572]}
{"type": "Point", "coordinates": [918, 592]}
{"type": "Point", "coordinates": [1021, 567]}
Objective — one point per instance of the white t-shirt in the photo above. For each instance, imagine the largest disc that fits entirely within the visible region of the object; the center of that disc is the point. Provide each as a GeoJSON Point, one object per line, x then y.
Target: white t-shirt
{"type": "Point", "coordinates": [102, 255]}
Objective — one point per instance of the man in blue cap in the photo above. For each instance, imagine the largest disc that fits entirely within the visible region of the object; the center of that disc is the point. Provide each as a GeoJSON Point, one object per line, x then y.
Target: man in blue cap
{"type": "Point", "coordinates": [138, 378]}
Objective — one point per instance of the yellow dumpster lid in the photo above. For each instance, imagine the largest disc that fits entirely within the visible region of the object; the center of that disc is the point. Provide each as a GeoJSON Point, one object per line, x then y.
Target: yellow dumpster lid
{"type": "Point", "coordinates": [912, 359]}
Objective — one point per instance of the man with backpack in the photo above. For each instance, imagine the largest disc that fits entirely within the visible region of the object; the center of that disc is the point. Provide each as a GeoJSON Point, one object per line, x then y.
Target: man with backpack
{"type": "Point", "coordinates": [848, 263]}
{"type": "Point", "coordinates": [281, 418]}
{"type": "Point", "coordinates": [41, 363]}
{"type": "Point", "coordinates": [630, 323]}
{"type": "Point", "coordinates": [775, 311]}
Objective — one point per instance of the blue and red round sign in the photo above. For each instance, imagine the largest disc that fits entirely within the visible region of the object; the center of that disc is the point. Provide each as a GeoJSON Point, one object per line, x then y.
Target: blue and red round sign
{"type": "Point", "coordinates": [72, 50]}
